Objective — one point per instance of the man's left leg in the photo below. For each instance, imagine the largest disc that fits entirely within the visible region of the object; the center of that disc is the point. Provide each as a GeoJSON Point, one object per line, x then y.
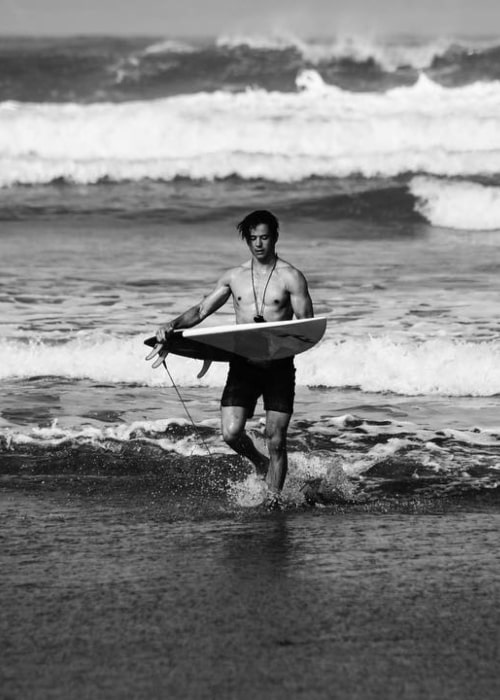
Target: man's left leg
{"type": "Point", "coordinates": [276, 430]}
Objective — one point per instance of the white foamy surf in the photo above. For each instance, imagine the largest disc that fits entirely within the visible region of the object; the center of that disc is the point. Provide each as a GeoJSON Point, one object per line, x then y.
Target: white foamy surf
{"type": "Point", "coordinates": [437, 367]}
{"type": "Point", "coordinates": [320, 130]}
{"type": "Point", "coordinates": [457, 204]}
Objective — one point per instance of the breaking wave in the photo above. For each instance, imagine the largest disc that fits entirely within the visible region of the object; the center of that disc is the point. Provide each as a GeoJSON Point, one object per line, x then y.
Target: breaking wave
{"type": "Point", "coordinates": [457, 204]}
{"type": "Point", "coordinates": [320, 131]}
{"type": "Point", "coordinates": [114, 69]}
{"type": "Point", "coordinates": [440, 367]}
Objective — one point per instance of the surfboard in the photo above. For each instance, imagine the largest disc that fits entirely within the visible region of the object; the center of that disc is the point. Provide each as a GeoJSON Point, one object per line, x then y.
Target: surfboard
{"type": "Point", "coordinates": [254, 341]}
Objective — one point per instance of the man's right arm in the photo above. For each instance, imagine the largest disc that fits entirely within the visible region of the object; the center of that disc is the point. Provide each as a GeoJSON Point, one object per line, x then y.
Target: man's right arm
{"type": "Point", "coordinates": [213, 301]}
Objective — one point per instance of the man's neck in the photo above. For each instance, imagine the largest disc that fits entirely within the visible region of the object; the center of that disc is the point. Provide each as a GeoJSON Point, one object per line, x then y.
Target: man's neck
{"type": "Point", "coordinates": [265, 264]}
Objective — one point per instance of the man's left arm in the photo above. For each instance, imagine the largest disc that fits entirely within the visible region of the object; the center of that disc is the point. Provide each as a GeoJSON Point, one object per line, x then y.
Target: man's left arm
{"type": "Point", "coordinates": [300, 299]}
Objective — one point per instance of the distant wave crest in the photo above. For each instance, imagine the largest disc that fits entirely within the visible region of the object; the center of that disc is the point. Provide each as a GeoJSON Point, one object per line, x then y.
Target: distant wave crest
{"type": "Point", "coordinates": [106, 69]}
{"type": "Point", "coordinates": [389, 55]}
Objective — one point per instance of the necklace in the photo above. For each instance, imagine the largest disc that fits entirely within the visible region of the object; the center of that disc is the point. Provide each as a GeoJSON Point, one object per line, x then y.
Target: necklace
{"type": "Point", "coordinates": [259, 318]}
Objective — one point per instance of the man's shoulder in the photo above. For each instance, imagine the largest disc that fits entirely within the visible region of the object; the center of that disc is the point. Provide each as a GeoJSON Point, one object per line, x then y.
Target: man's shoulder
{"type": "Point", "coordinates": [234, 272]}
{"type": "Point", "coordinates": [288, 270]}
{"type": "Point", "coordinates": [285, 265]}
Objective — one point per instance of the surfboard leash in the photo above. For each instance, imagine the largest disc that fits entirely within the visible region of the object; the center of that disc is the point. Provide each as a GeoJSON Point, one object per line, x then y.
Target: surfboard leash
{"type": "Point", "coordinates": [195, 427]}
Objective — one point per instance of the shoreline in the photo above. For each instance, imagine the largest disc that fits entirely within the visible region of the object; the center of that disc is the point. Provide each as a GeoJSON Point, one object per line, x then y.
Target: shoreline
{"type": "Point", "coordinates": [103, 597]}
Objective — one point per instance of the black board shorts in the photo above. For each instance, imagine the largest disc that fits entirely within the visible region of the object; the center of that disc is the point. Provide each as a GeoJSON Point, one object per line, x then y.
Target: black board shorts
{"type": "Point", "coordinates": [274, 381]}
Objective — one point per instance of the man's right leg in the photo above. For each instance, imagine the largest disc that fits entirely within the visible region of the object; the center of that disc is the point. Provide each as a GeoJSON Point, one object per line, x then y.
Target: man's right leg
{"type": "Point", "coordinates": [234, 419]}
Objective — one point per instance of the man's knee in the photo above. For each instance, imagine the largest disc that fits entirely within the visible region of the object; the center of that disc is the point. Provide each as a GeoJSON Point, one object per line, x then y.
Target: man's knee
{"type": "Point", "coordinates": [276, 440]}
{"type": "Point", "coordinates": [232, 431]}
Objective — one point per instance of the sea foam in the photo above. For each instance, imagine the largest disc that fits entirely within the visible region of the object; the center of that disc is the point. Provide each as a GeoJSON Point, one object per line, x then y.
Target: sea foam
{"type": "Point", "coordinates": [457, 204]}
{"type": "Point", "coordinates": [320, 130]}
{"type": "Point", "coordinates": [443, 367]}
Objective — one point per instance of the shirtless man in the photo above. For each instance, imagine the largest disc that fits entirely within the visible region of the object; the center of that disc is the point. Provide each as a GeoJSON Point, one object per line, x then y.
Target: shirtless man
{"type": "Point", "coordinates": [265, 288]}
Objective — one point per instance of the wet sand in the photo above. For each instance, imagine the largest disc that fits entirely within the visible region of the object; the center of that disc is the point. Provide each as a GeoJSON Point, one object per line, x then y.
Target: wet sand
{"type": "Point", "coordinates": [122, 598]}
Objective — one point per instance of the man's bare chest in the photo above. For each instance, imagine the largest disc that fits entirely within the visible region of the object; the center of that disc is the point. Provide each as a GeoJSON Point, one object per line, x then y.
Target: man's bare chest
{"type": "Point", "coordinates": [261, 290]}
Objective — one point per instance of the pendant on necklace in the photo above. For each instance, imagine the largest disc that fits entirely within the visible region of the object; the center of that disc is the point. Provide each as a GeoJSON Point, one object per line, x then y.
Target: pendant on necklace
{"type": "Point", "coordinates": [259, 318]}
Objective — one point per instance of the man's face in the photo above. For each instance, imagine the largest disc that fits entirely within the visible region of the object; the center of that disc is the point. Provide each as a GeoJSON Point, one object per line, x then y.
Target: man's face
{"type": "Point", "coordinates": [261, 243]}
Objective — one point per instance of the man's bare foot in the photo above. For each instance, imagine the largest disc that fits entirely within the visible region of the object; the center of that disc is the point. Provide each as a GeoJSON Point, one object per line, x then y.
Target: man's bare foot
{"type": "Point", "coordinates": [273, 501]}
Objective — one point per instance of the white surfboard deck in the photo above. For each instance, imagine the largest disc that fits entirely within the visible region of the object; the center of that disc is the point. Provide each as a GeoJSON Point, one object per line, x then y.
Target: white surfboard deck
{"type": "Point", "coordinates": [262, 341]}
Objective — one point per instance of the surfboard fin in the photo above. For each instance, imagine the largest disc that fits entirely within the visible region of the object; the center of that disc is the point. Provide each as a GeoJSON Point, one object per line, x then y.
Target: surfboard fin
{"type": "Point", "coordinates": [153, 352]}
{"type": "Point", "coordinates": [204, 369]}
{"type": "Point", "coordinates": [159, 360]}
{"type": "Point", "coordinates": [160, 350]}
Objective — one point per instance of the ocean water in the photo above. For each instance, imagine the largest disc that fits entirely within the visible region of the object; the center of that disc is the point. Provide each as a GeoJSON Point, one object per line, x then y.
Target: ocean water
{"type": "Point", "coordinates": [125, 165]}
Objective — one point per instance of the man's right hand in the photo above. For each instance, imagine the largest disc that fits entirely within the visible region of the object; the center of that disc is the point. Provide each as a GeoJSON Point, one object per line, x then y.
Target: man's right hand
{"type": "Point", "coordinates": [164, 332]}
{"type": "Point", "coordinates": [162, 335]}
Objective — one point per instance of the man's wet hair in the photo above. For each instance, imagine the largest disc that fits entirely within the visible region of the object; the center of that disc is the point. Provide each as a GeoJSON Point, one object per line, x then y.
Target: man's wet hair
{"type": "Point", "coordinates": [254, 219]}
